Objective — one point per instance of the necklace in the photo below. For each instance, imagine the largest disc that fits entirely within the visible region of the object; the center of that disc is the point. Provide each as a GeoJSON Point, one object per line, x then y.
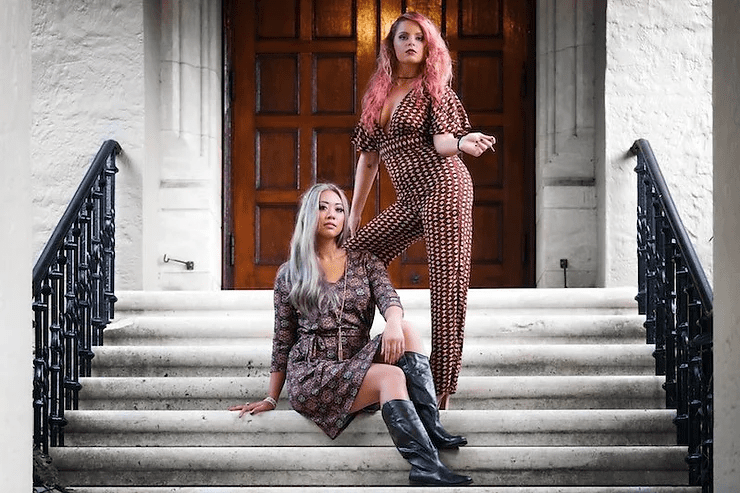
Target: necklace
{"type": "Point", "coordinates": [341, 311]}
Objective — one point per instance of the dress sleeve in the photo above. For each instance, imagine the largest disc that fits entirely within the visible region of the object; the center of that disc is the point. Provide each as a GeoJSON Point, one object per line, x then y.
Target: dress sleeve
{"type": "Point", "coordinates": [286, 325]}
{"type": "Point", "coordinates": [380, 284]}
{"type": "Point", "coordinates": [363, 140]}
{"type": "Point", "coordinates": [449, 116]}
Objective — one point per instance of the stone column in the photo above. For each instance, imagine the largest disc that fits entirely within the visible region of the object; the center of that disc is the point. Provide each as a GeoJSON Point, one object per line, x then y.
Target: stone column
{"type": "Point", "coordinates": [16, 350]}
{"type": "Point", "coordinates": [189, 214]}
{"type": "Point", "coordinates": [726, 92]}
{"type": "Point", "coordinates": [566, 198]}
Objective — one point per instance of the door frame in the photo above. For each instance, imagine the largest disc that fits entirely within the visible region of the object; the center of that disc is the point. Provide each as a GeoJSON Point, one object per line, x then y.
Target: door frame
{"type": "Point", "coordinates": [528, 105]}
{"type": "Point", "coordinates": [227, 229]}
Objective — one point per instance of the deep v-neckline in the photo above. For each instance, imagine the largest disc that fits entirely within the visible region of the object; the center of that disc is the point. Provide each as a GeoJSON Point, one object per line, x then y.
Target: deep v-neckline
{"type": "Point", "coordinates": [343, 273]}
{"type": "Point", "coordinates": [389, 124]}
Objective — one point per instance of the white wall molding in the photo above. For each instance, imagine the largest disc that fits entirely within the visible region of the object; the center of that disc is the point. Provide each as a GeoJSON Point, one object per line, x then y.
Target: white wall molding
{"type": "Point", "coordinates": [189, 213]}
{"type": "Point", "coordinates": [565, 183]}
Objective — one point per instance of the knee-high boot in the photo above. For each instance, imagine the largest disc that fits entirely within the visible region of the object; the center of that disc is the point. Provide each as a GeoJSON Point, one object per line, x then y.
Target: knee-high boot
{"type": "Point", "coordinates": [421, 392]}
{"type": "Point", "coordinates": [413, 443]}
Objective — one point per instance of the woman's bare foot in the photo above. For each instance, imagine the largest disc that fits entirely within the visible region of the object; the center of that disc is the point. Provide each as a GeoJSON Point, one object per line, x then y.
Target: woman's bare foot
{"type": "Point", "coordinates": [443, 401]}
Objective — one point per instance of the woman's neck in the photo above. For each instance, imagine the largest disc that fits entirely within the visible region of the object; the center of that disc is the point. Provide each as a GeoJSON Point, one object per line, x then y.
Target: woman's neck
{"type": "Point", "coordinates": [408, 71]}
{"type": "Point", "coordinates": [328, 250]}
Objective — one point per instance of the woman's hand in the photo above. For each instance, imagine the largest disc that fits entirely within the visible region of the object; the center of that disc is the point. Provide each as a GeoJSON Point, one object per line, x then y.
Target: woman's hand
{"type": "Point", "coordinates": [476, 143]}
{"type": "Point", "coordinates": [253, 407]}
{"type": "Point", "coordinates": [393, 344]}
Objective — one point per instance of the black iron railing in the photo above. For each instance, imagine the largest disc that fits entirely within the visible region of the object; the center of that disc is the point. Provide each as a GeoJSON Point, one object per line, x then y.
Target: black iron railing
{"type": "Point", "coordinates": [676, 298]}
{"type": "Point", "coordinates": [73, 297]}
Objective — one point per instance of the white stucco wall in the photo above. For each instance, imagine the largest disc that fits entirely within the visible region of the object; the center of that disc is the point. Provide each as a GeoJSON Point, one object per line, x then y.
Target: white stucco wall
{"type": "Point", "coordinates": [16, 375]}
{"type": "Point", "coordinates": [88, 86]}
{"type": "Point", "coordinates": [657, 86]}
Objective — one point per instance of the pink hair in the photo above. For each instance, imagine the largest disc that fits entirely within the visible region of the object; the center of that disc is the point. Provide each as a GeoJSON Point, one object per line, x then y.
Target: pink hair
{"type": "Point", "coordinates": [436, 69]}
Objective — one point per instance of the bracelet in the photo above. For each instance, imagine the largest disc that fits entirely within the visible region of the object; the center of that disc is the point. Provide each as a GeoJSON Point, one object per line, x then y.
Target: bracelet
{"type": "Point", "coordinates": [458, 143]}
{"type": "Point", "coordinates": [270, 400]}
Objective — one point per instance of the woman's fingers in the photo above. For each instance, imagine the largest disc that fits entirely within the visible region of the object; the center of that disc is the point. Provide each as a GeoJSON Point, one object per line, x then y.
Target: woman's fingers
{"type": "Point", "coordinates": [252, 408]}
{"type": "Point", "coordinates": [485, 140]}
{"type": "Point", "coordinates": [392, 351]}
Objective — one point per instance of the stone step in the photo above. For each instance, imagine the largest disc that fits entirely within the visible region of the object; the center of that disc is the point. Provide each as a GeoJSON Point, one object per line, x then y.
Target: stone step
{"type": "Point", "coordinates": [501, 301]}
{"type": "Point", "coordinates": [479, 358]}
{"type": "Point", "coordinates": [514, 392]}
{"type": "Point", "coordinates": [218, 328]}
{"type": "Point", "coordinates": [365, 466]}
{"type": "Point", "coordinates": [389, 489]}
{"type": "Point", "coordinates": [482, 428]}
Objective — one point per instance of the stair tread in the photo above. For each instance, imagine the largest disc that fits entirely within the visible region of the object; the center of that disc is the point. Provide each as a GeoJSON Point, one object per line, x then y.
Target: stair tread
{"type": "Point", "coordinates": [479, 323]}
{"type": "Point", "coordinates": [288, 421]}
{"type": "Point", "coordinates": [326, 458]}
{"type": "Point", "coordinates": [539, 385]}
{"type": "Point", "coordinates": [619, 298]}
{"type": "Point", "coordinates": [388, 489]}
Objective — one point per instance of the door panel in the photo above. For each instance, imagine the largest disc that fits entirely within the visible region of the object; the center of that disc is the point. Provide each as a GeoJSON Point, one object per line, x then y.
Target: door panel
{"type": "Point", "coordinates": [298, 70]}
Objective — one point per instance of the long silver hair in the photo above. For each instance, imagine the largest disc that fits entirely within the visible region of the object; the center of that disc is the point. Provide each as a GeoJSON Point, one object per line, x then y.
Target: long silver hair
{"type": "Point", "coordinates": [308, 291]}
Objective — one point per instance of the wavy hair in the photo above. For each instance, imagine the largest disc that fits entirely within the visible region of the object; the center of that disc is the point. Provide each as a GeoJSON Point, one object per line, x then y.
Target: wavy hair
{"type": "Point", "coordinates": [307, 292]}
{"type": "Point", "coordinates": [436, 69]}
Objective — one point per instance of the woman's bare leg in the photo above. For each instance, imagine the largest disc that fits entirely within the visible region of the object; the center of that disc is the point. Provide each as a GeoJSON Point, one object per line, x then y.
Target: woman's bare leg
{"type": "Point", "coordinates": [382, 383]}
{"type": "Point", "coordinates": [412, 338]}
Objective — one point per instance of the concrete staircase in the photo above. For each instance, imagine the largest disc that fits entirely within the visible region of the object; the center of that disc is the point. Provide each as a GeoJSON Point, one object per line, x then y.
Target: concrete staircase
{"type": "Point", "coordinates": [557, 394]}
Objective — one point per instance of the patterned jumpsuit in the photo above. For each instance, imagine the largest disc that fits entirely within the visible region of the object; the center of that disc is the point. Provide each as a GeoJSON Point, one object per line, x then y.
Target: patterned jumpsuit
{"type": "Point", "coordinates": [434, 200]}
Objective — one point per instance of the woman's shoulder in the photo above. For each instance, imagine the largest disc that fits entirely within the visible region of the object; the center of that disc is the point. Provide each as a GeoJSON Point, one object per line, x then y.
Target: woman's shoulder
{"type": "Point", "coordinates": [282, 275]}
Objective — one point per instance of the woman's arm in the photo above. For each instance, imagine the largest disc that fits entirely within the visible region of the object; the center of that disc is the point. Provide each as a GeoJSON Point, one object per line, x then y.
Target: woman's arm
{"type": "Point", "coordinates": [277, 380]}
{"type": "Point", "coordinates": [286, 328]}
{"type": "Point", "coordinates": [367, 168]}
{"type": "Point", "coordinates": [393, 344]}
{"type": "Point", "coordinates": [475, 144]}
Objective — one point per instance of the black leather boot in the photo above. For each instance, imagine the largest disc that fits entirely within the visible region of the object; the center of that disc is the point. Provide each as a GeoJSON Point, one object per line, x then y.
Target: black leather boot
{"type": "Point", "coordinates": [413, 443]}
{"type": "Point", "coordinates": [421, 392]}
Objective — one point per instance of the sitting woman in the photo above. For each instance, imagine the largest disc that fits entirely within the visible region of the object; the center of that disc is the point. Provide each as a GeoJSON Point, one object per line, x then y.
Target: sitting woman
{"type": "Point", "coordinates": [325, 299]}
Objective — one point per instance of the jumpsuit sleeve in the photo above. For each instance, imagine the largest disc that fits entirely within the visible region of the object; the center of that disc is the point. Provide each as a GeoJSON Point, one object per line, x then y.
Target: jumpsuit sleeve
{"type": "Point", "coordinates": [363, 140]}
{"type": "Point", "coordinates": [449, 116]}
{"type": "Point", "coordinates": [382, 290]}
{"type": "Point", "coordinates": [286, 324]}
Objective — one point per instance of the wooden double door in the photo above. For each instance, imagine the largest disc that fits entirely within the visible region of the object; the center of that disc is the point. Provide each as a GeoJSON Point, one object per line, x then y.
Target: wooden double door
{"type": "Point", "coordinates": [296, 73]}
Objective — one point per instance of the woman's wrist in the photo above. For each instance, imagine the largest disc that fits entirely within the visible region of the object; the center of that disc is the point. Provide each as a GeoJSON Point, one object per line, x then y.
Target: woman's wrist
{"type": "Point", "coordinates": [458, 143]}
{"type": "Point", "coordinates": [271, 401]}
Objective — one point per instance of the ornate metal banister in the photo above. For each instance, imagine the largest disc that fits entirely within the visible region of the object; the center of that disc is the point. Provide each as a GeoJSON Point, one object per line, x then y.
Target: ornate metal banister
{"type": "Point", "coordinates": [73, 296]}
{"type": "Point", "coordinates": [676, 298]}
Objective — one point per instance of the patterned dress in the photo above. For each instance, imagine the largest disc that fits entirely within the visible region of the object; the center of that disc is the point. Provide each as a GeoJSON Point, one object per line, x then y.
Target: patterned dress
{"type": "Point", "coordinates": [434, 201]}
{"type": "Point", "coordinates": [320, 386]}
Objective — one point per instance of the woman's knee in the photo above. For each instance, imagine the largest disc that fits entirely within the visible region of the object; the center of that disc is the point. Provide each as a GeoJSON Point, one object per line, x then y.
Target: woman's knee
{"type": "Point", "coordinates": [393, 376]}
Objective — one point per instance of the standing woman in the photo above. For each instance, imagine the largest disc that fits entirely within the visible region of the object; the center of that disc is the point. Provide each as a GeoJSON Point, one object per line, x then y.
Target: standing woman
{"type": "Point", "coordinates": [325, 301]}
{"type": "Point", "coordinates": [414, 121]}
